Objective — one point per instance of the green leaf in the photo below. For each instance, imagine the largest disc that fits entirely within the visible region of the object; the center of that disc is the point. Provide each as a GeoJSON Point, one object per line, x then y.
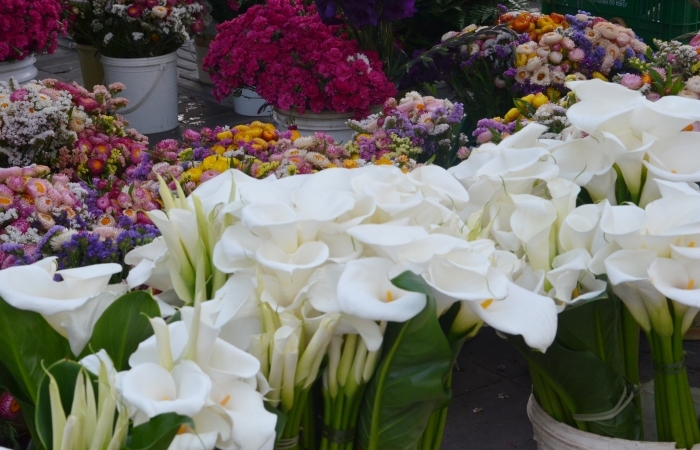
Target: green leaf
{"type": "Point", "coordinates": [585, 367]}
{"type": "Point", "coordinates": [66, 373]}
{"type": "Point", "coordinates": [122, 327]}
{"type": "Point", "coordinates": [158, 433]}
{"type": "Point", "coordinates": [411, 381]}
{"type": "Point", "coordinates": [27, 340]}
{"type": "Point", "coordinates": [409, 281]}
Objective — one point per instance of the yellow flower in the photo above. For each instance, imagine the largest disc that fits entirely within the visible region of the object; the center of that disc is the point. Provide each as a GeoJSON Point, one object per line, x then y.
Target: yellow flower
{"type": "Point", "coordinates": [521, 60]}
{"type": "Point", "coordinates": [240, 128]}
{"type": "Point", "coordinates": [539, 100]}
{"type": "Point", "coordinates": [295, 135]}
{"type": "Point", "coordinates": [599, 76]}
{"type": "Point", "coordinates": [218, 149]}
{"type": "Point", "coordinates": [224, 135]}
{"type": "Point", "coordinates": [361, 136]}
{"type": "Point", "coordinates": [257, 124]}
{"type": "Point", "coordinates": [383, 161]}
{"type": "Point", "coordinates": [193, 174]}
{"type": "Point", "coordinates": [529, 98]}
{"type": "Point", "coordinates": [222, 165]}
{"type": "Point", "coordinates": [269, 127]}
{"type": "Point", "coordinates": [242, 136]}
{"type": "Point", "coordinates": [254, 132]}
{"type": "Point", "coordinates": [511, 115]}
{"type": "Point", "coordinates": [260, 144]}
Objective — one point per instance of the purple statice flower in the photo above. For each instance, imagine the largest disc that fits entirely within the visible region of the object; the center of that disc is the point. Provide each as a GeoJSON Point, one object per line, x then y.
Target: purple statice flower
{"type": "Point", "coordinates": [456, 115]}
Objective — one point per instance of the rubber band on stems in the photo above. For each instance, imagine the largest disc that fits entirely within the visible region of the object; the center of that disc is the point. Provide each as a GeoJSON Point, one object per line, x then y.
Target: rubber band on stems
{"type": "Point", "coordinates": [340, 437]}
{"type": "Point", "coordinates": [599, 417]}
{"type": "Point", "coordinates": [670, 369]}
{"type": "Point", "coordinates": [287, 444]}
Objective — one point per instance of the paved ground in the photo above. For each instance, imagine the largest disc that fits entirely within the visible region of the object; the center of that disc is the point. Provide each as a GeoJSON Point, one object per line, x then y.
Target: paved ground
{"type": "Point", "coordinates": [491, 383]}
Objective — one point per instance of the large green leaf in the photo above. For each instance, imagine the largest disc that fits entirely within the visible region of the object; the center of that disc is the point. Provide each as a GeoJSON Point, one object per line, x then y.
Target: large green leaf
{"type": "Point", "coordinates": [27, 340]}
{"type": "Point", "coordinates": [157, 433]}
{"type": "Point", "coordinates": [411, 381]}
{"type": "Point", "coordinates": [584, 365]}
{"type": "Point", "coordinates": [122, 327]}
{"type": "Point", "coordinates": [65, 372]}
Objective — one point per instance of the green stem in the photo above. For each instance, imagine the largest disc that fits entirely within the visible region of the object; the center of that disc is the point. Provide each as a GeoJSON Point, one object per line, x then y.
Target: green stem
{"type": "Point", "coordinates": [630, 354]}
{"type": "Point", "coordinates": [662, 426]}
{"type": "Point", "coordinates": [690, 422]}
{"type": "Point", "coordinates": [437, 443]}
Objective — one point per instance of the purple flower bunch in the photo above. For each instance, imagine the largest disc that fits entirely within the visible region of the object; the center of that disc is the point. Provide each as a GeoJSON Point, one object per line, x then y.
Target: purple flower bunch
{"type": "Point", "coordinates": [417, 127]}
{"type": "Point", "coordinates": [362, 13]}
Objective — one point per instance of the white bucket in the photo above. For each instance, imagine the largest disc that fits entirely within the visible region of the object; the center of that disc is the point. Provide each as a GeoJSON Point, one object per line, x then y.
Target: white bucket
{"type": "Point", "coordinates": [249, 103]}
{"type": "Point", "coordinates": [553, 435]}
{"type": "Point", "coordinates": [151, 88]}
{"type": "Point", "coordinates": [333, 124]}
{"type": "Point", "coordinates": [22, 71]}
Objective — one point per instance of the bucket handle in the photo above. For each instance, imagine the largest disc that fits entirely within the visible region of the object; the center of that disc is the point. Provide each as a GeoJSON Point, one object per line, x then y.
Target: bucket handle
{"type": "Point", "coordinates": [161, 71]}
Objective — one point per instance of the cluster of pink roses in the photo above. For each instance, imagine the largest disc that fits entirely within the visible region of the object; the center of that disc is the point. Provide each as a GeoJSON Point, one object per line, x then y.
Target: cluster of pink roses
{"type": "Point", "coordinates": [28, 26]}
{"type": "Point", "coordinates": [294, 61]}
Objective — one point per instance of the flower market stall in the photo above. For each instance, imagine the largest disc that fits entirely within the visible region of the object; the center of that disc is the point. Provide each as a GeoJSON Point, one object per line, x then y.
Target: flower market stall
{"type": "Point", "coordinates": [309, 280]}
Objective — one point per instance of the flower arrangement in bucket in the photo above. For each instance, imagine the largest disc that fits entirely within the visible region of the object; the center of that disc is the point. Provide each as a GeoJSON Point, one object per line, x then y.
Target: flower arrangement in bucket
{"type": "Point", "coordinates": [295, 62]}
{"type": "Point", "coordinates": [27, 27]}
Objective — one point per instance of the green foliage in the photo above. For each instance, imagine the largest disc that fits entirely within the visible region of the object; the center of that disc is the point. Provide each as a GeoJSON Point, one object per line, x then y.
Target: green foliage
{"type": "Point", "coordinates": [411, 381]}
{"type": "Point", "coordinates": [157, 433]}
{"type": "Point", "coordinates": [122, 327]}
{"type": "Point", "coordinates": [585, 369]}
{"type": "Point", "coordinates": [27, 341]}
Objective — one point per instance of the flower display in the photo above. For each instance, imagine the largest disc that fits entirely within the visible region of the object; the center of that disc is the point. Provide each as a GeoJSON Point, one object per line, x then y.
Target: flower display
{"type": "Point", "coordinates": [582, 47]}
{"type": "Point", "coordinates": [294, 61]}
{"type": "Point", "coordinates": [414, 127]}
{"type": "Point", "coordinates": [28, 27]}
{"type": "Point", "coordinates": [137, 29]}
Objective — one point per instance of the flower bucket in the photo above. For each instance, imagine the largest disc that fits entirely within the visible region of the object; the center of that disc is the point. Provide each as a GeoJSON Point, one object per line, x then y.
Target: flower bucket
{"type": "Point", "coordinates": [553, 435]}
{"type": "Point", "coordinates": [90, 65]}
{"type": "Point", "coordinates": [22, 71]}
{"type": "Point", "coordinates": [331, 123]}
{"type": "Point", "coordinates": [151, 88]}
{"type": "Point", "coordinates": [248, 104]}
{"type": "Point", "coordinates": [201, 48]}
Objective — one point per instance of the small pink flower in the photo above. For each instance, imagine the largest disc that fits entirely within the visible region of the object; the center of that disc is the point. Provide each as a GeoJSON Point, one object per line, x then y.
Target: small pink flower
{"type": "Point", "coordinates": [103, 202]}
{"type": "Point", "coordinates": [208, 175]}
{"type": "Point", "coordinates": [19, 95]}
{"type": "Point", "coordinates": [631, 81]}
{"type": "Point", "coordinates": [88, 104]}
{"type": "Point", "coordinates": [134, 11]}
{"type": "Point", "coordinates": [9, 408]}
{"type": "Point", "coordinates": [22, 225]}
{"type": "Point", "coordinates": [577, 55]}
{"type": "Point", "coordinates": [484, 137]}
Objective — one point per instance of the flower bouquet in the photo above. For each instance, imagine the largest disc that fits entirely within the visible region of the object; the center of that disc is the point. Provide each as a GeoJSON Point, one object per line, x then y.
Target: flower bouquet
{"type": "Point", "coordinates": [28, 27]}
{"type": "Point", "coordinates": [295, 62]}
{"type": "Point", "coordinates": [601, 241]}
{"type": "Point", "coordinates": [420, 128]}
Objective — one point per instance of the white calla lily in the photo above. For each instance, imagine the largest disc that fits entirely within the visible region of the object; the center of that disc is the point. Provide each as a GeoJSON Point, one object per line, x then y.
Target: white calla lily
{"type": "Point", "coordinates": [365, 291]}
{"type": "Point", "coordinates": [71, 306]}
{"type": "Point", "coordinates": [533, 223]}
{"type": "Point", "coordinates": [673, 158]}
{"type": "Point", "coordinates": [521, 312]}
{"type": "Point", "coordinates": [149, 390]}
{"type": "Point", "coordinates": [679, 281]}
{"type": "Point", "coordinates": [150, 266]}
{"type": "Point", "coordinates": [602, 106]}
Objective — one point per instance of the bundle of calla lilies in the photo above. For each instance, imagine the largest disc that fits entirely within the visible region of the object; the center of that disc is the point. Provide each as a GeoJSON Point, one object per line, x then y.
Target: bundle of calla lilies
{"type": "Point", "coordinates": [325, 311]}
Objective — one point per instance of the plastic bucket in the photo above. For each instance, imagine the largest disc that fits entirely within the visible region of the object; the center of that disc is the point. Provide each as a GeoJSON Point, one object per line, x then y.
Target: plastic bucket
{"type": "Point", "coordinates": [249, 103]}
{"type": "Point", "coordinates": [151, 88]}
{"type": "Point", "coordinates": [333, 124]}
{"type": "Point", "coordinates": [201, 48]}
{"type": "Point", "coordinates": [22, 71]}
{"type": "Point", "coordinates": [90, 65]}
{"type": "Point", "coordinates": [553, 435]}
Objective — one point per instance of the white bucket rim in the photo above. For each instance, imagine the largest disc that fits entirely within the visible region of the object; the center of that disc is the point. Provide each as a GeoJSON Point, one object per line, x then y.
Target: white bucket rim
{"type": "Point", "coordinates": [19, 64]}
{"type": "Point", "coordinates": [138, 62]}
{"type": "Point", "coordinates": [324, 115]}
{"type": "Point", "coordinates": [544, 424]}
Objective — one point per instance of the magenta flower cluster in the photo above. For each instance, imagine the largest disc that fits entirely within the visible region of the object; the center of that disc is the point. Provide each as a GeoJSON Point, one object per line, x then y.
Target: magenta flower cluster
{"type": "Point", "coordinates": [294, 61]}
{"type": "Point", "coordinates": [27, 27]}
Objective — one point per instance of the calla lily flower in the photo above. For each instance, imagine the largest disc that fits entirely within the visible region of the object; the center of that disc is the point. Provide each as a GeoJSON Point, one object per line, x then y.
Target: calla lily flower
{"type": "Point", "coordinates": [602, 106]}
{"type": "Point", "coordinates": [679, 281]}
{"type": "Point", "coordinates": [521, 312]}
{"type": "Point", "coordinates": [365, 291]}
{"type": "Point", "coordinates": [149, 265]}
{"type": "Point", "coordinates": [674, 158]}
{"type": "Point", "coordinates": [149, 390]}
{"type": "Point", "coordinates": [72, 306]}
{"type": "Point", "coordinates": [570, 278]}
{"type": "Point", "coordinates": [533, 223]}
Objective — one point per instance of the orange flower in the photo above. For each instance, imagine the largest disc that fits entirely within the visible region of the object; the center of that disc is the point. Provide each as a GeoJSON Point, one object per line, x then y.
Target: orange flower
{"type": "Point", "coordinates": [646, 79]}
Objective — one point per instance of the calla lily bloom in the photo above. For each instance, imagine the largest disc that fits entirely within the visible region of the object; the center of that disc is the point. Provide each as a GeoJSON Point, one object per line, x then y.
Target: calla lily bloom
{"type": "Point", "coordinates": [71, 306]}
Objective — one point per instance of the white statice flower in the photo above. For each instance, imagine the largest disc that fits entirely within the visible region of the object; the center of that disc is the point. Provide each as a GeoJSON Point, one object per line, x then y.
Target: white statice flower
{"type": "Point", "coordinates": [360, 57]}
{"type": "Point", "coordinates": [137, 36]}
{"type": "Point", "coordinates": [108, 37]}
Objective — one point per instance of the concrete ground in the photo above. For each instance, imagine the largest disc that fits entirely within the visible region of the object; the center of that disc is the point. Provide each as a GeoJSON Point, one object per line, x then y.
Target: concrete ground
{"type": "Point", "coordinates": [491, 383]}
